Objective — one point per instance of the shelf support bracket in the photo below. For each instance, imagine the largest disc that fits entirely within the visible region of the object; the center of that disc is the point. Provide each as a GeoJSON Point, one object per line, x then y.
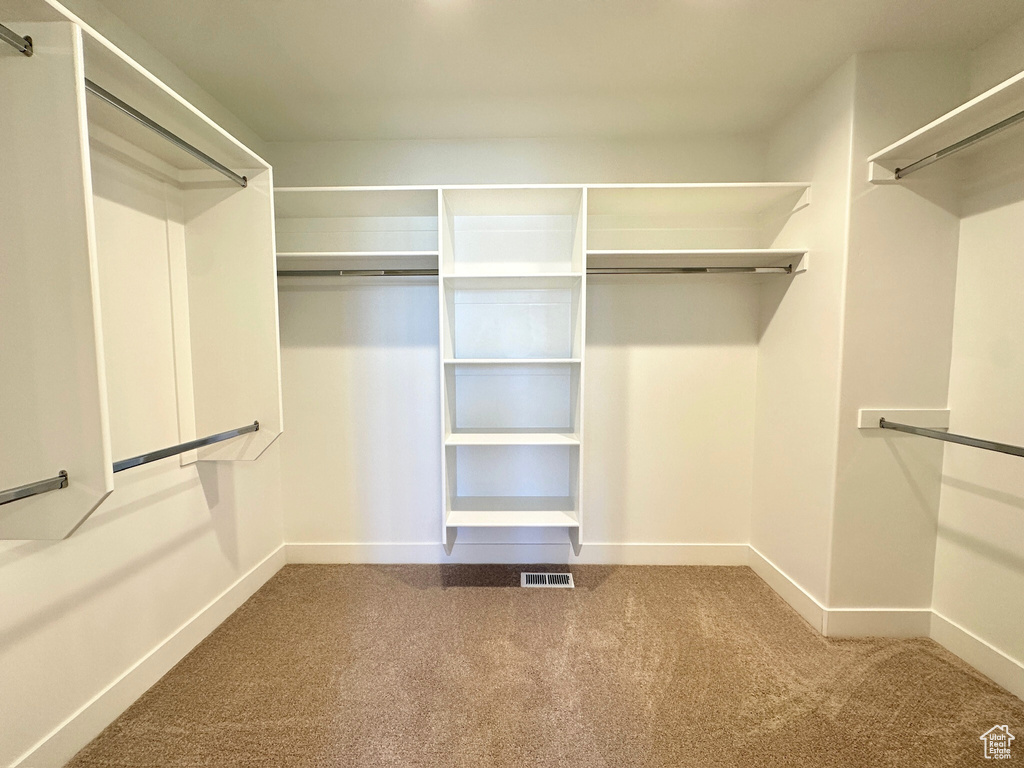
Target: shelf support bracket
{"type": "Point", "coordinates": [574, 539]}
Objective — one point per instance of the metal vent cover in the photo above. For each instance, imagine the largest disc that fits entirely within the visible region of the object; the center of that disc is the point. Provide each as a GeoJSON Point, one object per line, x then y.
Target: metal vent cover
{"type": "Point", "coordinates": [548, 580]}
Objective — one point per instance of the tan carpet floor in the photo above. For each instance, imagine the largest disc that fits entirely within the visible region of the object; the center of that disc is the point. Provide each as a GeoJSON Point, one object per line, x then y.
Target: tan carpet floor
{"type": "Point", "coordinates": [638, 666]}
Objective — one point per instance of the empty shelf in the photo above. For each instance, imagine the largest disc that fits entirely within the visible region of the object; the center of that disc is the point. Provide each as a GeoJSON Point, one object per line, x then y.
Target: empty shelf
{"type": "Point", "coordinates": [513, 361]}
{"type": "Point", "coordinates": [513, 512]}
{"type": "Point", "coordinates": [352, 254]}
{"type": "Point", "coordinates": [523, 437]}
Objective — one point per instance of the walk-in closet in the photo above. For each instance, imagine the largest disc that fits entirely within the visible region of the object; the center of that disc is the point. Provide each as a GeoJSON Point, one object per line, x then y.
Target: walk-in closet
{"type": "Point", "coordinates": [511, 383]}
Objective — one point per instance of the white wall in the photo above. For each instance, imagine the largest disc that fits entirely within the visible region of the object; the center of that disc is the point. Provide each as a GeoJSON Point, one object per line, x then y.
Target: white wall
{"type": "Point", "coordinates": [1000, 58]}
{"type": "Point", "coordinates": [979, 561]}
{"type": "Point", "coordinates": [897, 326]}
{"type": "Point", "coordinates": [798, 359]}
{"type": "Point", "coordinates": [517, 161]}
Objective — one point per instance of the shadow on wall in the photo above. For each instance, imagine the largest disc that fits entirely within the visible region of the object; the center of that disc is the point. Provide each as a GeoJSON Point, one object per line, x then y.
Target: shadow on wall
{"type": "Point", "coordinates": [374, 312]}
{"type": "Point", "coordinates": [76, 600]}
{"type": "Point", "coordinates": [984, 547]}
{"type": "Point", "coordinates": [672, 310]}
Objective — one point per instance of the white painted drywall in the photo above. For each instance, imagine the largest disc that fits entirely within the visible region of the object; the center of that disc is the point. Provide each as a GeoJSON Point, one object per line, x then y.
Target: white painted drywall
{"type": "Point", "coordinates": [897, 326]}
{"type": "Point", "coordinates": [1000, 58]}
{"type": "Point", "coordinates": [517, 161]}
{"type": "Point", "coordinates": [979, 558]}
{"type": "Point", "coordinates": [798, 356]}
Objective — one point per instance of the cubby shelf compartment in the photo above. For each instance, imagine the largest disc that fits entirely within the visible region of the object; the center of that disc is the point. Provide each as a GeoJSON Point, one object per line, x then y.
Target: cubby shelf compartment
{"type": "Point", "coordinates": [526, 317]}
{"type": "Point", "coordinates": [1001, 153]}
{"type": "Point", "coordinates": [512, 231]}
{"type": "Point", "coordinates": [509, 397]}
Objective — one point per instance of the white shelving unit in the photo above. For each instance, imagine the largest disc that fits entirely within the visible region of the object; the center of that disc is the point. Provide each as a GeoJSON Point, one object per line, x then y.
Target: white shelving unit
{"type": "Point", "coordinates": [512, 296]}
{"type": "Point", "coordinates": [127, 261]}
{"type": "Point", "coordinates": [512, 274]}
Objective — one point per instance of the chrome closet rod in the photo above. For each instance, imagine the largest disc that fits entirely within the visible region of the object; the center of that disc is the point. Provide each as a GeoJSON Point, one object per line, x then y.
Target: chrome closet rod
{"type": "Point", "coordinates": [163, 453]}
{"type": "Point", "coordinates": [988, 445]}
{"type": "Point", "coordinates": [34, 489]}
{"type": "Point", "coordinates": [23, 44]}
{"type": "Point", "coordinates": [952, 149]}
{"type": "Point", "coordinates": [787, 270]}
{"type": "Point", "coordinates": [177, 141]}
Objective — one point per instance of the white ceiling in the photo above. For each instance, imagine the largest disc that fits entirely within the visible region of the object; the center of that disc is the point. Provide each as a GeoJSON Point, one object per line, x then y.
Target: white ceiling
{"type": "Point", "coordinates": [300, 70]}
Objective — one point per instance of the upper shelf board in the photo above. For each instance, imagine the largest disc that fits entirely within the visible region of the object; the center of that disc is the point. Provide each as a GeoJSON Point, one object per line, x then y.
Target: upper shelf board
{"type": "Point", "coordinates": [981, 112]}
{"type": "Point", "coordinates": [344, 202]}
{"type": "Point", "coordinates": [697, 199]}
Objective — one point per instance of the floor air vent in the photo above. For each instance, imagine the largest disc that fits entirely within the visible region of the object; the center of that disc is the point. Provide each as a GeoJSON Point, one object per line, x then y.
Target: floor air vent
{"type": "Point", "coordinates": [563, 580]}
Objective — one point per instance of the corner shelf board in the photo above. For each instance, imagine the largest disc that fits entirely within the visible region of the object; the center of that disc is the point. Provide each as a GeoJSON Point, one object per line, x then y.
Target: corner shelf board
{"type": "Point", "coordinates": [981, 112]}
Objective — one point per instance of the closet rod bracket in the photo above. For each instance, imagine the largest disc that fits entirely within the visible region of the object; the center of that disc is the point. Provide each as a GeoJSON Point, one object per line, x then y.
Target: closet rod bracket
{"type": "Point", "coordinates": [34, 489]}
{"type": "Point", "coordinates": [21, 44]}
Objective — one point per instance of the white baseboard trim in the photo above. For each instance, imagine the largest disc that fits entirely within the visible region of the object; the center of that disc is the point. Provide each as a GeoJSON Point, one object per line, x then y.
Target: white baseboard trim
{"type": "Point", "coordinates": [983, 656]}
{"type": "Point", "coordinates": [82, 727]}
{"type": "Point", "coordinates": [799, 599]}
{"type": "Point", "coordinates": [877, 622]}
{"type": "Point", "coordinates": [592, 554]}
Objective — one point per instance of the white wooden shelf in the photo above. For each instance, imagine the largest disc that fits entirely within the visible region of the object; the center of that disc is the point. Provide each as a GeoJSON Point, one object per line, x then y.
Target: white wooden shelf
{"type": "Point", "coordinates": [514, 361]}
{"type": "Point", "coordinates": [522, 437]}
{"type": "Point", "coordinates": [352, 254]}
{"type": "Point", "coordinates": [499, 282]}
{"type": "Point", "coordinates": [991, 107]}
{"type": "Point", "coordinates": [512, 511]}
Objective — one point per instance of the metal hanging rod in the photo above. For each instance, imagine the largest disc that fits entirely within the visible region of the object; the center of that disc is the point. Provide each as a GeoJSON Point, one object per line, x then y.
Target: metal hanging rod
{"type": "Point", "coordinates": [924, 162]}
{"type": "Point", "coordinates": [787, 270]}
{"type": "Point", "coordinates": [177, 141]}
{"type": "Point", "coordinates": [357, 273]}
{"type": "Point", "coordinates": [135, 461]}
{"type": "Point", "coordinates": [988, 445]}
{"type": "Point", "coordinates": [34, 489]}
{"type": "Point", "coordinates": [23, 44]}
